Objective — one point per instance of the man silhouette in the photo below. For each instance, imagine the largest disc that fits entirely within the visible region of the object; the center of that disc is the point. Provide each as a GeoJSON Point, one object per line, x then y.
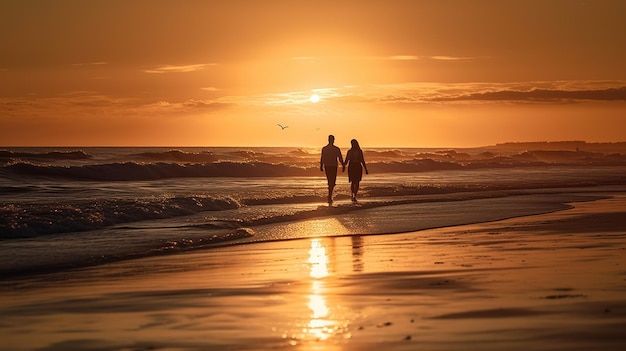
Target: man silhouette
{"type": "Point", "coordinates": [331, 155]}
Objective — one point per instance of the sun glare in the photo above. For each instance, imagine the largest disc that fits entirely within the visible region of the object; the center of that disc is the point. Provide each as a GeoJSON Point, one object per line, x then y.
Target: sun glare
{"type": "Point", "coordinates": [314, 98]}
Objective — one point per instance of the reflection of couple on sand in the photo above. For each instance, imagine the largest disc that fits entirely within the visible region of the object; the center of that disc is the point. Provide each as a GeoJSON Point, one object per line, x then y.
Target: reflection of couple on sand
{"type": "Point", "coordinates": [331, 156]}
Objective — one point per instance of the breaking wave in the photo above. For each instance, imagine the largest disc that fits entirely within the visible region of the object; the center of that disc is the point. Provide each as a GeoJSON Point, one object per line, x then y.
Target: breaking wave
{"type": "Point", "coordinates": [6, 155]}
{"type": "Point", "coordinates": [134, 171]}
{"type": "Point", "coordinates": [29, 220]}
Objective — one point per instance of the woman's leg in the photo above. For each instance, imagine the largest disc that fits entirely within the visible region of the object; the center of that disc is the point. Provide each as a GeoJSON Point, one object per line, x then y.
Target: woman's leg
{"type": "Point", "coordinates": [352, 190]}
{"type": "Point", "coordinates": [355, 189]}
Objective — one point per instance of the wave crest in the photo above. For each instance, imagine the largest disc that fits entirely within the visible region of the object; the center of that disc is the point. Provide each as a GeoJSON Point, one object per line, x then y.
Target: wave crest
{"type": "Point", "coordinates": [440, 161]}
{"type": "Point", "coordinates": [17, 221]}
{"type": "Point", "coordinates": [7, 155]}
{"type": "Point", "coordinates": [179, 156]}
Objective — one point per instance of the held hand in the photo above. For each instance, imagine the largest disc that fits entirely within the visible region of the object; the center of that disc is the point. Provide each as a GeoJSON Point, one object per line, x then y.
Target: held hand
{"type": "Point", "coordinates": [343, 169]}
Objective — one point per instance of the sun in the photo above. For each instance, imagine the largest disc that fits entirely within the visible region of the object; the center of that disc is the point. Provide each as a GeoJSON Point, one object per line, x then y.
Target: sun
{"type": "Point", "coordinates": [314, 98]}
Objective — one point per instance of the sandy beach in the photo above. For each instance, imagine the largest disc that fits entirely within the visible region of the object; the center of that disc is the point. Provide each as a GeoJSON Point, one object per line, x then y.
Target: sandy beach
{"type": "Point", "coordinates": [555, 281]}
{"type": "Point", "coordinates": [312, 175]}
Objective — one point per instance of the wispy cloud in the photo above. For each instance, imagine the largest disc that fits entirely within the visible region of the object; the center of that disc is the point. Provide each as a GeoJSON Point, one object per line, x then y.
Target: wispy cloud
{"type": "Point", "coordinates": [452, 58]}
{"type": "Point", "coordinates": [540, 95]}
{"type": "Point", "coordinates": [513, 92]}
{"type": "Point", "coordinates": [98, 63]}
{"type": "Point", "coordinates": [179, 68]}
{"type": "Point", "coordinates": [71, 103]}
{"type": "Point", "coordinates": [91, 103]}
{"type": "Point", "coordinates": [403, 58]}
{"type": "Point", "coordinates": [79, 93]}
{"type": "Point", "coordinates": [284, 99]}
{"type": "Point", "coordinates": [423, 57]}
{"type": "Point", "coordinates": [380, 58]}
{"type": "Point", "coordinates": [442, 93]}
{"type": "Point", "coordinates": [210, 89]}
{"type": "Point", "coordinates": [186, 106]}
{"type": "Point", "coordinates": [88, 103]}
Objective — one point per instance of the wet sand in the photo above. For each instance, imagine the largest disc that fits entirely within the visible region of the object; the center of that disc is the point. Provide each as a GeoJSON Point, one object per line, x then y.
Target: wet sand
{"type": "Point", "coordinates": [547, 282]}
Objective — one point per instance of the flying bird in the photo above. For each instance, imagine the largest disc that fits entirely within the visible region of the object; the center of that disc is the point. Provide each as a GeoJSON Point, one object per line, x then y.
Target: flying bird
{"type": "Point", "coordinates": [282, 127]}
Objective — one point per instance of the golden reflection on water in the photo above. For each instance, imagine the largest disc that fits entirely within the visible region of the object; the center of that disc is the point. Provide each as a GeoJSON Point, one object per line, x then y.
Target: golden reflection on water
{"type": "Point", "coordinates": [318, 260]}
{"type": "Point", "coordinates": [320, 325]}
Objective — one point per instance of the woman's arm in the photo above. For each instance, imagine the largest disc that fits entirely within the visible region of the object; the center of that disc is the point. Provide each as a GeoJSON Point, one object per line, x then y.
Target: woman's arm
{"type": "Point", "coordinates": [363, 162]}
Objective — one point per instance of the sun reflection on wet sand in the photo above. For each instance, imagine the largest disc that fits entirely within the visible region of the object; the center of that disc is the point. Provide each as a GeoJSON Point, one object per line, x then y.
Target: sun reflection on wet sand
{"type": "Point", "coordinates": [321, 325]}
{"type": "Point", "coordinates": [318, 260]}
{"type": "Point", "coordinates": [318, 326]}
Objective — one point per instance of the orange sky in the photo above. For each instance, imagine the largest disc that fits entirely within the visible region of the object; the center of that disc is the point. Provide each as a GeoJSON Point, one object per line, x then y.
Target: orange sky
{"type": "Point", "coordinates": [389, 72]}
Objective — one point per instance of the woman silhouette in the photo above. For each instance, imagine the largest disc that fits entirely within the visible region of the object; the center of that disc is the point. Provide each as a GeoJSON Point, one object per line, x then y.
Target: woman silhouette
{"type": "Point", "coordinates": [354, 160]}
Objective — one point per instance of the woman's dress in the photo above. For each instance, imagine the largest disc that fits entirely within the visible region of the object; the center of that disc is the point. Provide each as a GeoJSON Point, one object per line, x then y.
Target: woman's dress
{"type": "Point", "coordinates": [355, 171]}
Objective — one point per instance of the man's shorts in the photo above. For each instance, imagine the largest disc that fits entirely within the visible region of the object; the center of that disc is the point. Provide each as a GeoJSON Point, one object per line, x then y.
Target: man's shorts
{"type": "Point", "coordinates": [331, 175]}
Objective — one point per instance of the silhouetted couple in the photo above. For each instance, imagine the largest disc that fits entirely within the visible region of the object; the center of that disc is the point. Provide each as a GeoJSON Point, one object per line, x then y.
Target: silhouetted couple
{"type": "Point", "coordinates": [330, 160]}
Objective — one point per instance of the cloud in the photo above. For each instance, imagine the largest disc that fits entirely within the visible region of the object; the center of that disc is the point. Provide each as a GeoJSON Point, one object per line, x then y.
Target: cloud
{"type": "Point", "coordinates": [286, 98]}
{"type": "Point", "coordinates": [540, 95]}
{"type": "Point", "coordinates": [202, 104]}
{"type": "Point", "coordinates": [181, 106]}
{"type": "Point", "coordinates": [451, 58]}
{"type": "Point", "coordinates": [414, 93]}
{"type": "Point", "coordinates": [179, 68]}
{"type": "Point", "coordinates": [98, 63]}
{"type": "Point", "coordinates": [511, 92]}
{"type": "Point", "coordinates": [74, 103]}
{"type": "Point", "coordinates": [442, 58]}
{"type": "Point", "coordinates": [210, 89]}
{"type": "Point", "coordinates": [403, 58]}
{"type": "Point", "coordinates": [91, 103]}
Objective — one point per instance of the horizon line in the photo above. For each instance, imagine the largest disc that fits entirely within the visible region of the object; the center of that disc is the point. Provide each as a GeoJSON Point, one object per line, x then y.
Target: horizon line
{"type": "Point", "coordinates": [320, 145]}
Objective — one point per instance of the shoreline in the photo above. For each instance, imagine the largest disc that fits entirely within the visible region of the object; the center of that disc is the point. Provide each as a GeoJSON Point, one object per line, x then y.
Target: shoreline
{"type": "Point", "coordinates": [439, 211]}
{"type": "Point", "coordinates": [542, 282]}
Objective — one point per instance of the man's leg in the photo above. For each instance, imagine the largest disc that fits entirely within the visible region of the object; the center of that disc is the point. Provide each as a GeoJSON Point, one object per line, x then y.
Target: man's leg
{"type": "Point", "coordinates": [331, 176]}
{"type": "Point", "coordinates": [330, 193]}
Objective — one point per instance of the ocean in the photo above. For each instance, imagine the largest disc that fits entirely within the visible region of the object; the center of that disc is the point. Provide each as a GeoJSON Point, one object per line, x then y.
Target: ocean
{"type": "Point", "coordinates": [65, 208]}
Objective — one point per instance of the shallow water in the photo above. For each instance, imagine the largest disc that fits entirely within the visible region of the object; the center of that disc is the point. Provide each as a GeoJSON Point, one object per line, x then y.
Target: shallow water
{"type": "Point", "coordinates": [526, 283]}
{"type": "Point", "coordinates": [63, 208]}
